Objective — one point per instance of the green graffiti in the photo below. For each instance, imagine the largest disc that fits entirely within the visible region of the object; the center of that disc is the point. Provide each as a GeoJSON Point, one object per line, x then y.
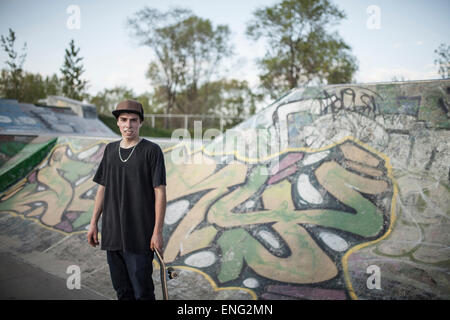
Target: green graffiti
{"type": "Point", "coordinates": [343, 184]}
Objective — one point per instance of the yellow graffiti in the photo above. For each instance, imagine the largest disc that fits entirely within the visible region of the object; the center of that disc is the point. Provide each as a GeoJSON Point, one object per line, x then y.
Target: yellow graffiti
{"type": "Point", "coordinates": [59, 184]}
{"type": "Point", "coordinates": [62, 180]}
{"type": "Point", "coordinates": [306, 263]}
{"type": "Point", "coordinates": [189, 179]}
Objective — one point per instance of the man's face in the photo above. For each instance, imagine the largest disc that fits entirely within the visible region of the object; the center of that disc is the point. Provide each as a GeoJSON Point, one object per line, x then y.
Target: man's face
{"type": "Point", "coordinates": [129, 125]}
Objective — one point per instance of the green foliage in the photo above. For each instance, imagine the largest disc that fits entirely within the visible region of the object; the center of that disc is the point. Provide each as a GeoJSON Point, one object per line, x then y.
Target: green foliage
{"type": "Point", "coordinates": [107, 99]}
{"type": "Point", "coordinates": [19, 85]}
{"type": "Point", "coordinates": [187, 52]}
{"type": "Point", "coordinates": [301, 50]}
{"type": "Point", "coordinates": [73, 86]}
{"type": "Point", "coordinates": [232, 98]}
{"type": "Point", "coordinates": [33, 87]}
{"type": "Point", "coordinates": [36, 87]}
{"type": "Point", "coordinates": [11, 78]}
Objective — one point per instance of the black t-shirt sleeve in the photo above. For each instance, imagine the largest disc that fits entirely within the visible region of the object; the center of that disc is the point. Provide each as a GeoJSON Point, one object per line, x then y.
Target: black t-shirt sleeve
{"type": "Point", "coordinates": [158, 168]}
{"type": "Point", "coordinates": [100, 175]}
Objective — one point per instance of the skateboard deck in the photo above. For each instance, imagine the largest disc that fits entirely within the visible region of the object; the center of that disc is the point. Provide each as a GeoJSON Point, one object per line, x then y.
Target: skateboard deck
{"type": "Point", "coordinates": [164, 273]}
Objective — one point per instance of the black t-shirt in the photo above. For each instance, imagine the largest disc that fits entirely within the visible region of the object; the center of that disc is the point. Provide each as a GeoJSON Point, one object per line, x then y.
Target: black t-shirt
{"type": "Point", "coordinates": [128, 215]}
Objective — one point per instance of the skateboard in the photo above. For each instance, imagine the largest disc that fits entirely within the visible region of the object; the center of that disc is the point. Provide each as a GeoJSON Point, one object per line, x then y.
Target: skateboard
{"type": "Point", "coordinates": [164, 273]}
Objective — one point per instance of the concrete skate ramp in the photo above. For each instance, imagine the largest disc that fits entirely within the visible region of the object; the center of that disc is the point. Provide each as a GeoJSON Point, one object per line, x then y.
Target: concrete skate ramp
{"type": "Point", "coordinates": [28, 119]}
{"type": "Point", "coordinates": [337, 192]}
{"type": "Point", "coordinates": [19, 155]}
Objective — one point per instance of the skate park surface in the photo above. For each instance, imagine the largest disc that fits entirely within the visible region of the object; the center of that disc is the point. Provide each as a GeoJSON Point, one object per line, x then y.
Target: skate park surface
{"type": "Point", "coordinates": [335, 192]}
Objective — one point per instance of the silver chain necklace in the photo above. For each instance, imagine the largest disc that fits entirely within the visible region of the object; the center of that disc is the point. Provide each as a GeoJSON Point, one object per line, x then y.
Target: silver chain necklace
{"type": "Point", "coordinates": [120, 156]}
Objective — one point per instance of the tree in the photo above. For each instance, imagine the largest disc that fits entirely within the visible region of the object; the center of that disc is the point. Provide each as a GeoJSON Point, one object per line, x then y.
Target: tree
{"type": "Point", "coordinates": [107, 99]}
{"type": "Point", "coordinates": [443, 60]}
{"type": "Point", "coordinates": [204, 47]}
{"type": "Point", "coordinates": [11, 79]}
{"type": "Point", "coordinates": [35, 87]}
{"type": "Point", "coordinates": [187, 52]}
{"type": "Point", "coordinates": [301, 51]}
{"type": "Point", "coordinates": [237, 100]}
{"type": "Point", "coordinates": [52, 85]}
{"type": "Point", "coordinates": [73, 86]}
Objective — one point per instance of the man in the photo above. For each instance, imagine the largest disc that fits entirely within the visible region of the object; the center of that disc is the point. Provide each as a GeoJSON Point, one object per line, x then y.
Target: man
{"type": "Point", "coordinates": [131, 198]}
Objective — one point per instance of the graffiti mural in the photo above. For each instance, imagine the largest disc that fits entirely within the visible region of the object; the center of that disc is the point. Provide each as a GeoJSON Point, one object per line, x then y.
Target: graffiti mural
{"type": "Point", "coordinates": [291, 226]}
{"type": "Point", "coordinates": [304, 200]}
{"type": "Point", "coordinates": [60, 192]}
{"type": "Point", "coordinates": [333, 204]}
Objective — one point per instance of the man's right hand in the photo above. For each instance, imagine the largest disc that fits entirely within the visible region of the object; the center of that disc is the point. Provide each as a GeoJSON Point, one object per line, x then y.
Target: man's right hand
{"type": "Point", "coordinates": [92, 235]}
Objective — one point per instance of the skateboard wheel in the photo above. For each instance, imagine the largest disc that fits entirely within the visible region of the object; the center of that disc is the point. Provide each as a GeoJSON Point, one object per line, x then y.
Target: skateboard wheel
{"type": "Point", "coordinates": [172, 273]}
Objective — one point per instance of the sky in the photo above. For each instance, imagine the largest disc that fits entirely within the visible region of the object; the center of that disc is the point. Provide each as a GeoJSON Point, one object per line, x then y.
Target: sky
{"type": "Point", "coordinates": [388, 38]}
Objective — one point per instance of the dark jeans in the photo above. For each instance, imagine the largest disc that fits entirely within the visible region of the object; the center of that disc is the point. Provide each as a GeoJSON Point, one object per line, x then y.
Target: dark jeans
{"type": "Point", "coordinates": [131, 275]}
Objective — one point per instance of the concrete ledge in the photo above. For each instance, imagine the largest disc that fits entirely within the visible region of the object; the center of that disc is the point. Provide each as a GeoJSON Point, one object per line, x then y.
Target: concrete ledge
{"type": "Point", "coordinates": [22, 163]}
